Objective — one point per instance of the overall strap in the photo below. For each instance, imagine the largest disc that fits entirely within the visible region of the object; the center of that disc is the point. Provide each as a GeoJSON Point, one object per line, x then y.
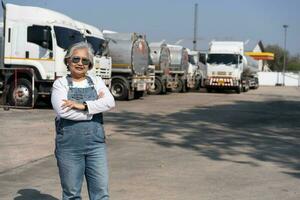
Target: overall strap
{"type": "Point", "coordinates": [69, 79]}
{"type": "Point", "coordinates": [90, 81]}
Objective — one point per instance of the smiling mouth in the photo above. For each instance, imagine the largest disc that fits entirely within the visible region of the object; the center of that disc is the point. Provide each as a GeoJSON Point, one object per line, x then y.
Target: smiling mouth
{"type": "Point", "coordinates": [79, 68]}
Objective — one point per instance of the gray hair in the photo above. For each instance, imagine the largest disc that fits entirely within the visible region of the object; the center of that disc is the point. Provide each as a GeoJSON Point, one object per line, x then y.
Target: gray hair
{"type": "Point", "coordinates": [80, 45]}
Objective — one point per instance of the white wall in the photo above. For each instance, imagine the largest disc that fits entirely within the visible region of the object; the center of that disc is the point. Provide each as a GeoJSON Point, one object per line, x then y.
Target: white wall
{"type": "Point", "coordinates": [273, 78]}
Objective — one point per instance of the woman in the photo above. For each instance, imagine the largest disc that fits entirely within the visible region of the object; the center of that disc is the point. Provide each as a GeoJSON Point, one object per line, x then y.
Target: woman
{"type": "Point", "coordinates": [79, 101]}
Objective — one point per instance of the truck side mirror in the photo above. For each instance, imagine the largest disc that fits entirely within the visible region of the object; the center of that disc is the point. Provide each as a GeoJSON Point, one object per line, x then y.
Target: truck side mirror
{"type": "Point", "coordinates": [203, 58]}
{"type": "Point", "coordinates": [40, 35]}
{"type": "Point", "coordinates": [45, 44]}
{"type": "Point", "coordinates": [46, 35]}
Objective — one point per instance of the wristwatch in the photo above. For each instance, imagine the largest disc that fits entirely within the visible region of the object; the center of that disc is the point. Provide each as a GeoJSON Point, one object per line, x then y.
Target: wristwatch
{"type": "Point", "coordinates": [85, 106]}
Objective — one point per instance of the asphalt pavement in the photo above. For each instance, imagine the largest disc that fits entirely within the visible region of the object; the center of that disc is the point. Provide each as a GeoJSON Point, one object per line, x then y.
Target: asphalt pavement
{"type": "Point", "coordinates": [191, 146]}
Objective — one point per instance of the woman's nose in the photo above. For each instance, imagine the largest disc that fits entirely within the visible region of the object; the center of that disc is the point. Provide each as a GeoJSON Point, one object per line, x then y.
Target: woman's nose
{"type": "Point", "coordinates": [80, 62]}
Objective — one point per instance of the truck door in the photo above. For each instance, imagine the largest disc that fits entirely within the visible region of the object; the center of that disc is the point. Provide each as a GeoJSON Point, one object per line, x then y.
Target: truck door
{"type": "Point", "coordinates": [39, 48]}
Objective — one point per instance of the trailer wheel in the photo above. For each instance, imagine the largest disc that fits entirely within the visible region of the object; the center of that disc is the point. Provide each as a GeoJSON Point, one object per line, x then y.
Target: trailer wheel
{"type": "Point", "coordinates": [179, 86]}
{"type": "Point", "coordinates": [138, 94]}
{"type": "Point", "coordinates": [158, 87]}
{"type": "Point", "coordinates": [119, 89]}
{"type": "Point", "coordinates": [20, 94]}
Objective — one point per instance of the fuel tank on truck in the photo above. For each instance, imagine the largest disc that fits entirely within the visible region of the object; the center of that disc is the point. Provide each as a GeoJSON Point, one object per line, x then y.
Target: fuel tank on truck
{"type": "Point", "coordinates": [129, 51]}
{"type": "Point", "coordinates": [250, 65]}
{"type": "Point", "coordinates": [160, 56]}
{"type": "Point", "coordinates": [179, 58]}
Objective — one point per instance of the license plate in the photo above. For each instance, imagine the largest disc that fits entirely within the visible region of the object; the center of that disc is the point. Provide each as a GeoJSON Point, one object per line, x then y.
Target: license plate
{"type": "Point", "coordinates": [141, 86]}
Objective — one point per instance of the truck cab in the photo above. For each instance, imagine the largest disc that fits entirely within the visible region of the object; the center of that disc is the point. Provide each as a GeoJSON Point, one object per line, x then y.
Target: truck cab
{"type": "Point", "coordinates": [34, 48]}
{"type": "Point", "coordinates": [225, 63]}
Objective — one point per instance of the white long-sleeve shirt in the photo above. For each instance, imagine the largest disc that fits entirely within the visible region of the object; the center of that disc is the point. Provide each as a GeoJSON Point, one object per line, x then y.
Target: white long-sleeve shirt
{"type": "Point", "coordinates": [60, 92]}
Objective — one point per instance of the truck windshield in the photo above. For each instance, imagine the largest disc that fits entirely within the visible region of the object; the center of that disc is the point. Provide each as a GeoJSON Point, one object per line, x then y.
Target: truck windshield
{"type": "Point", "coordinates": [227, 59]}
{"type": "Point", "coordinates": [66, 37]}
{"type": "Point", "coordinates": [96, 43]}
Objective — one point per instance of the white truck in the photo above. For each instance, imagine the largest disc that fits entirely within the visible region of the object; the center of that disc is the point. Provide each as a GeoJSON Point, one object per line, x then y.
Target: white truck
{"type": "Point", "coordinates": [226, 64]}
{"type": "Point", "coordinates": [33, 48]}
{"type": "Point", "coordinates": [102, 61]}
{"type": "Point", "coordinates": [132, 75]}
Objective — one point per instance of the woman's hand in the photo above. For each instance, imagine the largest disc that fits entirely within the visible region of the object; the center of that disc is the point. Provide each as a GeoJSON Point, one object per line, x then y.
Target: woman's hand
{"type": "Point", "coordinates": [101, 94]}
{"type": "Point", "coordinates": [72, 104]}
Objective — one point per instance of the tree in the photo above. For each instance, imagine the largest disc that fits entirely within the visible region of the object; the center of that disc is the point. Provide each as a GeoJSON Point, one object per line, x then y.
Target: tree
{"type": "Point", "coordinates": [293, 62]}
{"type": "Point", "coordinates": [277, 63]}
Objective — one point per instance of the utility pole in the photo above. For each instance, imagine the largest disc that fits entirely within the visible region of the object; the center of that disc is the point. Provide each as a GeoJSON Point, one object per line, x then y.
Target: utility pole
{"type": "Point", "coordinates": [195, 27]}
{"type": "Point", "coordinates": [284, 55]}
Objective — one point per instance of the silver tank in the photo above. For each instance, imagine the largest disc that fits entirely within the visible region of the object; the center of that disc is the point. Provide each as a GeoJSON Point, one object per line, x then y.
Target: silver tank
{"type": "Point", "coordinates": [128, 51]}
{"type": "Point", "coordinates": [250, 65]}
{"type": "Point", "coordinates": [179, 58]}
{"type": "Point", "coordinates": [160, 56]}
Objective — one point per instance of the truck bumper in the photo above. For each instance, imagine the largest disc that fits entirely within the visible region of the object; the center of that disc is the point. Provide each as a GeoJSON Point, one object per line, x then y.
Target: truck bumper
{"type": "Point", "coordinates": [142, 83]}
{"type": "Point", "coordinates": [221, 82]}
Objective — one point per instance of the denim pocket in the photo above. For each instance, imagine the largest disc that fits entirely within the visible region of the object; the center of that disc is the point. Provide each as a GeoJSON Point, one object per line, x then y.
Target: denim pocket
{"type": "Point", "coordinates": [100, 134]}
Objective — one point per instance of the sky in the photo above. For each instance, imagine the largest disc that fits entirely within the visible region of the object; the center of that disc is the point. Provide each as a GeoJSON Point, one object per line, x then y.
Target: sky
{"type": "Point", "coordinates": [172, 21]}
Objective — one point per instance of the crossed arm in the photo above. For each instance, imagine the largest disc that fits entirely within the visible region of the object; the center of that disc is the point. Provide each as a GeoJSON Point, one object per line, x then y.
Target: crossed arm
{"type": "Point", "coordinates": [72, 110]}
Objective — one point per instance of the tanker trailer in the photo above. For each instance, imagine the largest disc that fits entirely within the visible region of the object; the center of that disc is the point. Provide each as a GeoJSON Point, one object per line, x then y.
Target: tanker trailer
{"type": "Point", "coordinates": [249, 74]}
{"type": "Point", "coordinates": [130, 64]}
{"type": "Point", "coordinates": [179, 67]}
{"type": "Point", "coordinates": [160, 58]}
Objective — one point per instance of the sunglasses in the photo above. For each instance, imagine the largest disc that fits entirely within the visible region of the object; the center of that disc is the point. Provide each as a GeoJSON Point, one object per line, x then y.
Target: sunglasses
{"type": "Point", "coordinates": [84, 61]}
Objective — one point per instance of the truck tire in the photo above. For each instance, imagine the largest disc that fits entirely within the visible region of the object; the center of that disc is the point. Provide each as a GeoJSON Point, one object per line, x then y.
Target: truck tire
{"type": "Point", "coordinates": [119, 89]}
{"type": "Point", "coordinates": [158, 87]}
{"type": "Point", "coordinates": [185, 87]}
{"type": "Point", "coordinates": [20, 94]}
{"type": "Point", "coordinates": [238, 90]}
{"type": "Point", "coordinates": [198, 83]}
{"type": "Point", "coordinates": [138, 94]}
{"type": "Point", "coordinates": [246, 88]}
{"type": "Point", "coordinates": [179, 87]}
{"type": "Point", "coordinates": [208, 90]}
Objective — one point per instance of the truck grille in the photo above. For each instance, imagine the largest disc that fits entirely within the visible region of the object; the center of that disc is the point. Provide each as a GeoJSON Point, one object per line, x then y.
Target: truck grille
{"type": "Point", "coordinates": [221, 82]}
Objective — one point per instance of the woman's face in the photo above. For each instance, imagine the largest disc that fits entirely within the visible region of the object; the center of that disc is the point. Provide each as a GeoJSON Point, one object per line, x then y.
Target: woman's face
{"type": "Point", "coordinates": [79, 63]}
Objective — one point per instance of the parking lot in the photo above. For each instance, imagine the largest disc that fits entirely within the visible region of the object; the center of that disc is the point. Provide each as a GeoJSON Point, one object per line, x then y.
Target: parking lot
{"type": "Point", "coordinates": [196, 145]}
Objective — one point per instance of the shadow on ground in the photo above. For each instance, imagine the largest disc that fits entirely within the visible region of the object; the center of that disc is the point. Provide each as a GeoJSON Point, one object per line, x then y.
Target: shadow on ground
{"type": "Point", "coordinates": [262, 131]}
{"type": "Point", "coordinates": [32, 194]}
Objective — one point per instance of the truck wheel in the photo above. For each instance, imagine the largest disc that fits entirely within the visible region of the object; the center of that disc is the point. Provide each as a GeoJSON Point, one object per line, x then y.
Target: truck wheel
{"type": "Point", "coordinates": [158, 87]}
{"type": "Point", "coordinates": [138, 94]}
{"type": "Point", "coordinates": [185, 87]}
{"type": "Point", "coordinates": [208, 90]}
{"type": "Point", "coordinates": [246, 88]}
{"type": "Point", "coordinates": [119, 89]}
{"type": "Point", "coordinates": [21, 93]}
{"type": "Point", "coordinates": [179, 87]}
{"type": "Point", "coordinates": [238, 90]}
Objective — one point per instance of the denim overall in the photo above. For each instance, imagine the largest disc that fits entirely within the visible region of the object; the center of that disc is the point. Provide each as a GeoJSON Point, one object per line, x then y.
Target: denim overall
{"type": "Point", "coordinates": [81, 150]}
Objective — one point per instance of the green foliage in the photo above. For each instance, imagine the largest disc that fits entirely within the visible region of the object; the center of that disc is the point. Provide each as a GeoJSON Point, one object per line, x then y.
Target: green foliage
{"type": "Point", "coordinates": [293, 62]}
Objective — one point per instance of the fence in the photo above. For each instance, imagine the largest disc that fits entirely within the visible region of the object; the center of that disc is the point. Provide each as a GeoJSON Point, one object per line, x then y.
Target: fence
{"type": "Point", "coordinates": [276, 78]}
